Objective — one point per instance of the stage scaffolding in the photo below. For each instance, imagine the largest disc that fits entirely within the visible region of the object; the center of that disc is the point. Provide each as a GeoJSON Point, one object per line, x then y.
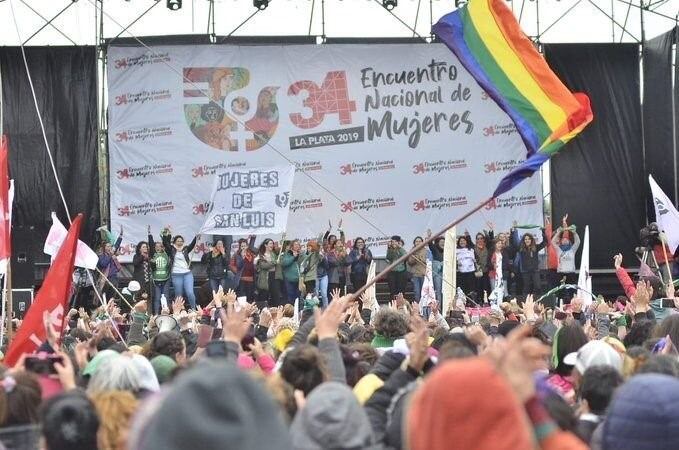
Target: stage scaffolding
{"type": "Point", "coordinates": [529, 12]}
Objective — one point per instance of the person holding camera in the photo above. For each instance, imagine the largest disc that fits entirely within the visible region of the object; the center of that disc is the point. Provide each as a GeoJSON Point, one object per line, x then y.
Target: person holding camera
{"type": "Point", "coordinates": [398, 277]}
{"type": "Point", "coordinates": [566, 242]}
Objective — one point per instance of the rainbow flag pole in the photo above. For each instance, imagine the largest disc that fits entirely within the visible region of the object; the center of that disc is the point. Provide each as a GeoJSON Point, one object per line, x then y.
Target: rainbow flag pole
{"type": "Point", "coordinates": [488, 40]}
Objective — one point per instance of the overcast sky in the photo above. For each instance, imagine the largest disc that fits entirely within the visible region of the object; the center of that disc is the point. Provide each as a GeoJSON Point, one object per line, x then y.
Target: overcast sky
{"type": "Point", "coordinates": [356, 18]}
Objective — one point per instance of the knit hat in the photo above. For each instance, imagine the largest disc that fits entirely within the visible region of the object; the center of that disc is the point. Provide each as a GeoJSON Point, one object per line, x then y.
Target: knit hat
{"type": "Point", "coordinates": [213, 405]}
{"type": "Point", "coordinates": [94, 363]}
{"type": "Point", "coordinates": [332, 418]}
{"type": "Point", "coordinates": [642, 415]}
{"type": "Point", "coordinates": [439, 417]}
{"type": "Point", "coordinates": [163, 366]}
{"type": "Point", "coordinates": [594, 353]}
{"type": "Point", "coordinates": [148, 378]}
{"type": "Point", "coordinates": [282, 339]}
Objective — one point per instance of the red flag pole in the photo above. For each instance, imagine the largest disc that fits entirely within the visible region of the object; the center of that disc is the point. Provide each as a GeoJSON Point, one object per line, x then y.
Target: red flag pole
{"type": "Point", "coordinates": [419, 247]}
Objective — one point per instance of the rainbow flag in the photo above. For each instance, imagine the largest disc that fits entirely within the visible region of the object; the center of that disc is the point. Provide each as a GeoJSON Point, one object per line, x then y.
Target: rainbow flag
{"type": "Point", "coordinates": [488, 41]}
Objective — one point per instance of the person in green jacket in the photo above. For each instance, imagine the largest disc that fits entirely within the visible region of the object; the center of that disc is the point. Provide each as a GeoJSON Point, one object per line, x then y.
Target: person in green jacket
{"type": "Point", "coordinates": [290, 263]}
{"type": "Point", "coordinates": [160, 265]}
{"type": "Point", "coordinates": [266, 263]}
{"type": "Point", "coordinates": [398, 277]}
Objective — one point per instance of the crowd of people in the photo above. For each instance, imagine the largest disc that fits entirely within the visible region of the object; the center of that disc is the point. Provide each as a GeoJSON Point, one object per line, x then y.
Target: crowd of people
{"type": "Point", "coordinates": [353, 374]}
{"type": "Point", "coordinates": [274, 273]}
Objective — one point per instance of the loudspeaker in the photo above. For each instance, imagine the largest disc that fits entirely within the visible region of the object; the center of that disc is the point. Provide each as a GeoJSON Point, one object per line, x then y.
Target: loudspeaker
{"type": "Point", "coordinates": [27, 245]}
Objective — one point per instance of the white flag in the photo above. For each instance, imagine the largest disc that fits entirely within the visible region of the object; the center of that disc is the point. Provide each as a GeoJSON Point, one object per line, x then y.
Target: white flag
{"type": "Point", "coordinates": [449, 271]}
{"type": "Point", "coordinates": [585, 278]}
{"type": "Point", "coordinates": [250, 201]}
{"type": "Point", "coordinates": [5, 261]}
{"type": "Point", "coordinates": [428, 294]}
{"type": "Point", "coordinates": [666, 215]}
{"type": "Point", "coordinates": [84, 256]}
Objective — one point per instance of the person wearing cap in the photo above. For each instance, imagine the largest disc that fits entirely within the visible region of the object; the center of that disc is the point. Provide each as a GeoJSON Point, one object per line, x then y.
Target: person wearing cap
{"type": "Point", "coordinates": [398, 277]}
{"type": "Point", "coordinates": [594, 353]}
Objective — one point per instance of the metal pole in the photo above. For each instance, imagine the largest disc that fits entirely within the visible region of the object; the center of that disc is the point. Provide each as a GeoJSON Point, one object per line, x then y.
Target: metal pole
{"type": "Point", "coordinates": [612, 19]}
{"type": "Point", "coordinates": [49, 22]}
{"type": "Point", "coordinates": [136, 20]}
{"type": "Point", "coordinates": [10, 306]}
{"type": "Point", "coordinates": [537, 17]}
{"type": "Point", "coordinates": [213, 36]}
{"type": "Point", "coordinates": [323, 20]}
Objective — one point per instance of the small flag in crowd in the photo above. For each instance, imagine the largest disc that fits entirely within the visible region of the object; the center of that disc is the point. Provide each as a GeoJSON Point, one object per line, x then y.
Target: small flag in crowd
{"type": "Point", "coordinates": [85, 256]}
{"type": "Point", "coordinates": [6, 197]}
{"type": "Point", "coordinates": [585, 277]}
{"type": "Point", "coordinates": [428, 294]}
{"type": "Point", "coordinates": [666, 215]}
{"type": "Point", "coordinates": [52, 298]}
{"type": "Point", "coordinates": [488, 41]}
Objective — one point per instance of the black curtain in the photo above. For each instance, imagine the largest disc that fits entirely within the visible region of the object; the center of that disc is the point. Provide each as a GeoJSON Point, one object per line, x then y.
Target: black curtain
{"type": "Point", "coordinates": [65, 80]}
{"type": "Point", "coordinates": [598, 179]}
{"type": "Point", "coordinates": [658, 114]}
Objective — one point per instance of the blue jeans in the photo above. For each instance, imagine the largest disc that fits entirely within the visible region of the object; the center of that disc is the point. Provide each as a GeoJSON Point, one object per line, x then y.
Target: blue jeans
{"type": "Point", "coordinates": [417, 286]}
{"type": "Point", "coordinates": [215, 283]}
{"type": "Point", "coordinates": [183, 286]}
{"type": "Point", "coordinates": [160, 288]}
{"type": "Point", "coordinates": [292, 290]}
{"type": "Point", "coordinates": [322, 285]}
{"type": "Point", "coordinates": [437, 275]}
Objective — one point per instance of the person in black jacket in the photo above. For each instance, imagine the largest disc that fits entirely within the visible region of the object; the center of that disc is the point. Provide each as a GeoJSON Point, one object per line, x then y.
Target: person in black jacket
{"type": "Point", "coordinates": [180, 261]}
{"type": "Point", "coordinates": [142, 269]}
{"type": "Point", "coordinates": [217, 266]}
{"type": "Point", "coordinates": [528, 260]}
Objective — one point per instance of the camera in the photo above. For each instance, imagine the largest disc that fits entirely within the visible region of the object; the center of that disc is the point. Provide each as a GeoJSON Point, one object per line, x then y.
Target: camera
{"type": "Point", "coordinates": [42, 364]}
{"type": "Point", "coordinates": [649, 236]}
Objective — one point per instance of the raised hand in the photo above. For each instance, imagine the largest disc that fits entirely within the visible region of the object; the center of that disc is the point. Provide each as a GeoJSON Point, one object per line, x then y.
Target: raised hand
{"type": "Point", "coordinates": [65, 372]}
{"type": "Point", "coordinates": [141, 307]}
{"type": "Point", "coordinates": [418, 343]}
{"type": "Point", "coordinates": [265, 318]}
{"type": "Point", "coordinates": [218, 297]}
{"type": "Point", "coordinates": [335, 294]}
{"type": "Point", "coordinates": [231, 296]}
{"type": "Point", "coordinates": [617, 261]}
{"type": "Point", "coordinates": [564, 221]}
{"type": "Point", "coordinates": [148, 229]}
{"type": "Point", "coordinates": [178, 305]}
{"type": "Point", "coordinates": [528, 307]}
{"type": "Point", "coordinates": [428, 233]}
{"type": "Point", "coordinates": [236, 324]}
{"type": "Point", "coordinates": [121, 230]}
{"type": "Point", "coordinates": [329, 320]}
{"type": "Point", "coordinates": [339, 225]}
{"type": "Point", "coordinates": [256, 348]}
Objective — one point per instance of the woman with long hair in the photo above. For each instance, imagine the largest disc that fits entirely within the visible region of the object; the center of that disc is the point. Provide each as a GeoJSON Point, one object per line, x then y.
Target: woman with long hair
{"type": "Point", "coordinates": [180, 261]}
{"type": "Point", "coordinates": [528, 259]}
{"type": "Point", "coordinates": [242, 265]}
{"type": "Point", "coordinates": [290, 262]}
{"type": "Point", "coordinates": [109, 265]}
{"type": "Point", "coordinates": [466, 265]}
{"type": "Point", "coordinates": [482, 254]}
{"type": "Point", "coordinates": [160, 266]}
{"type": "Point", "coordinates": [359, 260]}
{"type": "Point", "coordinates": [265, 263]}
{"type": "Point", "coordinates": [337, 262]}
{"type": "Point", "coordinates": [314, 263]}
{"type": "Point", "coordinates": [141, 261]}
{"type": "Point", "coordinates": [217, 265]}
{"type": "Point", "coordinates": [436, 248]}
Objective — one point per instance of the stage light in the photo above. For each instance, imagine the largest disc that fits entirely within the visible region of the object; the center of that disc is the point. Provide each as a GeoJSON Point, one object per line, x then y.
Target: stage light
{"type": "Point", "coordinates": [260, 4]}
{"type": "Point", "coordinates": [174, 5]}
{"type": "Point", "coordinates": [389, 4]}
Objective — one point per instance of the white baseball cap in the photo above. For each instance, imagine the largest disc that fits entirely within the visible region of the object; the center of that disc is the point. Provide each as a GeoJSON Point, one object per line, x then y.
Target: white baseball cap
{"type": "Point", "coordinates": [133, 286]}
{"type": "Point", "coordinates": [594, 353]}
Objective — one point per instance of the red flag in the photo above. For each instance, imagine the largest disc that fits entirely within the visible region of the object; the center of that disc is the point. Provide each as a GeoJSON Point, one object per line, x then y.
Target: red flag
{"type": "Point", "coordinates": [5, 206]}
{"type": "Point", "coordinates": [52, 297]}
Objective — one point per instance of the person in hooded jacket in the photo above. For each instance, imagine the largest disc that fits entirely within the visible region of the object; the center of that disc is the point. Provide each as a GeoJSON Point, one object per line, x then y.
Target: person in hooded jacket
{"type": "Point", "coordinates": [217, 263]}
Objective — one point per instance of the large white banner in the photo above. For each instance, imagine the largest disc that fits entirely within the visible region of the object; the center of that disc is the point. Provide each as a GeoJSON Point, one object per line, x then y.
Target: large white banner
{"type": "Point", "coordinates": [392, 139]}
{"type": "Point", "coordinates": [253, 201]}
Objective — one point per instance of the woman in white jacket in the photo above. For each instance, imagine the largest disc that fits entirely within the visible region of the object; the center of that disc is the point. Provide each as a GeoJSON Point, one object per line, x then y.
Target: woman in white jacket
{"type": "Point", "coordinates": [566, 243]}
